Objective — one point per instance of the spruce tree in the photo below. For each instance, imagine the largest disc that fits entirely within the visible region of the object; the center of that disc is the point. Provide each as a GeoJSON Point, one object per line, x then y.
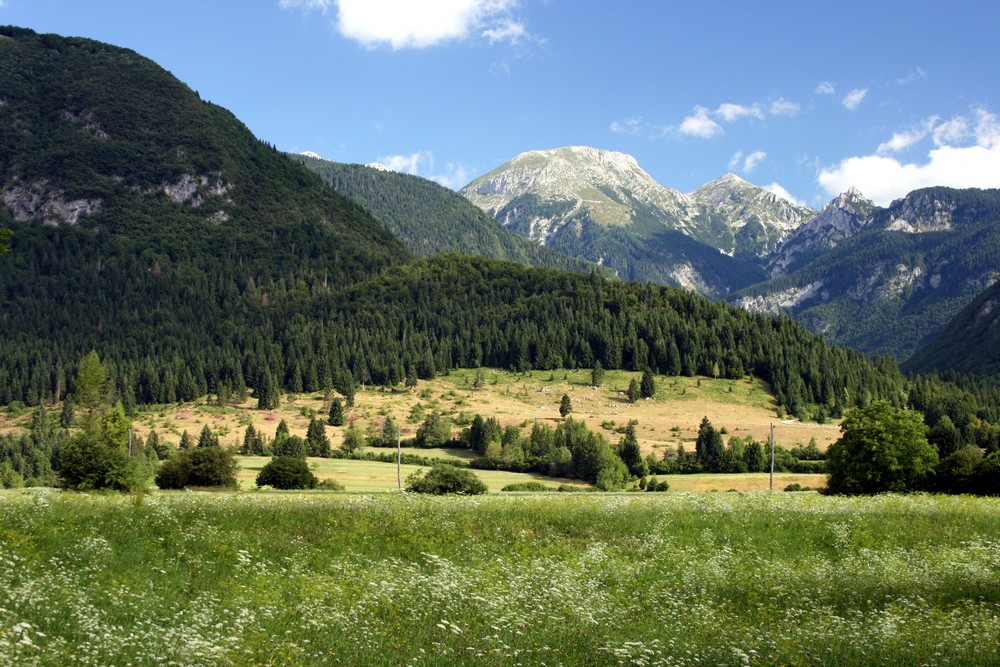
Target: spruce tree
{"type": "Point", "coordinates": [633, 393]}
{"type": "Point", "coordinates": [318, 443]}
{"type": "Point", "coordinates": [186, 442]}
{"type": "Point", "coordinates": [630, 454]}
{"type": "Point", "coordinates": [336, 417]}
{"type": "Point", "coordinates": [207, 439]}
{"type": "Point", "coordinates": [565, 406]}
{"type": "Point", "coordinates": [647, 387]}
{"type": "Point", "coordinates": [597, 375]}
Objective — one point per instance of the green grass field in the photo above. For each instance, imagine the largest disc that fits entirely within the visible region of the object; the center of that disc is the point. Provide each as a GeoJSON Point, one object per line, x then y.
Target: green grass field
{"type": "Point", "coordinates": [557, 579]}
{"type": "Point", "coordinates": [367, 476]}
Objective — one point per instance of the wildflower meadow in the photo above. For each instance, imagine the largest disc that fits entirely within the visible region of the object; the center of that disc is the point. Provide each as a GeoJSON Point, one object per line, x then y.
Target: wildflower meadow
{"type": "Point", "coordinates": [552, 579]}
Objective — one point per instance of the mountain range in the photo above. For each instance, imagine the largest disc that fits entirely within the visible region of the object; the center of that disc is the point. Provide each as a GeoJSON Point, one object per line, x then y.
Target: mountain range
{"type": "Point", "coordinates": [154, 228]}
{"type": "Point", "coordinates": [883, 280]}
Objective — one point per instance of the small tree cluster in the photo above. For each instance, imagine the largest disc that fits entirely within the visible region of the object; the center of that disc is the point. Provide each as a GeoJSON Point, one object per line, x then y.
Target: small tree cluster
{"type": "Point", "coordinates": [287, 472]}
{"type": "Point", "coordinates": [210, 466]}
{"type": "Point", "coordinates": [443, 479]}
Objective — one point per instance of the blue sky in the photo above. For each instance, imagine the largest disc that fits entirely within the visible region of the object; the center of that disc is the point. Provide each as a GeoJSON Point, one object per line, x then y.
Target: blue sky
{"type": "Point", "coordinates": [811, 97]}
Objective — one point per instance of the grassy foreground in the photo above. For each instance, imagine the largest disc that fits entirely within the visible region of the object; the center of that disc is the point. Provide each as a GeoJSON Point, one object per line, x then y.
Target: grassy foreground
{"type": "Point", "coordinates": [643, 579]}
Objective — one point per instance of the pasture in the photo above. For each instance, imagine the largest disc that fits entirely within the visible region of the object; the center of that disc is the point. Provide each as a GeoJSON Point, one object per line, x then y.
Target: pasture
{"type": "Point", "coordinates": [743, 407]}
{"type": "Point", "coordinates": [558, 579]}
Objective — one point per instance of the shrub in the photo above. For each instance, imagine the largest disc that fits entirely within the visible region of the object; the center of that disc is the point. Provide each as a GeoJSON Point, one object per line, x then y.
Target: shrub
{"type": "Point", "coordinates": [287, 472]}
{"type": "Point", "coordinates": [445, 479]}
{"type": "Point", "coordinates": [526, 486]}
{"type": "Point", "coordinates": [206, 466]}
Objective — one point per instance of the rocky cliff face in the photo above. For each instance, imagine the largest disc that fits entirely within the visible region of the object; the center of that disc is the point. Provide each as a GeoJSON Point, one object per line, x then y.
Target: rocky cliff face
{"type": "Point", "coordinates": [842, 218]}
{"type": "Point", "coordinates": [759, 220]}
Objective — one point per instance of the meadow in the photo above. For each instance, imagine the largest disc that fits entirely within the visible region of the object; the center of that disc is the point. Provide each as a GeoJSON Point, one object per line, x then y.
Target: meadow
{"type": "Point", "coordinates": [743, 407]}
{"type": "Point", "coordinates": [193, 578]}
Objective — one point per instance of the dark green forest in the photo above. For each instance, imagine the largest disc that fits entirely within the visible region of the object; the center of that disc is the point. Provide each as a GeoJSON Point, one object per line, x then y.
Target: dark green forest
{"type": "Point", "coordinates": [202, 261]}
{"type": "Point", "coordinates": [430, 219]}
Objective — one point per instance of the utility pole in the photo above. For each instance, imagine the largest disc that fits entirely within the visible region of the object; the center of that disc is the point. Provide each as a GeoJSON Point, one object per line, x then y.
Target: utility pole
{"type": "Point", "coordinates": [772, 457]}
{"type": "Point", "coordinates": [399, 460]}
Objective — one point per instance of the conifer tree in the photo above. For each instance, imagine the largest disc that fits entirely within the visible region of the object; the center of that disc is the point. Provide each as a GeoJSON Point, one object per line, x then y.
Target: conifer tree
{"type": "Point", "coordinates": [336, 417]}
{"type": "Point", "coordinates": [186, 442]}
{"type": "Point", "coordinates": [647, 387]}
{"type": "Point", "coordinates": [207, 439]}
{"type": "Point", "coordinates": [318, 443]}
{"type": "Point", "coordinates": [630, 454]}
{"type": "Point", "coordinates": [633, 393]}
{"type": "Point", "coordinates": [565, 406]}
{"type": "Point", "coordinates": [597, 375]}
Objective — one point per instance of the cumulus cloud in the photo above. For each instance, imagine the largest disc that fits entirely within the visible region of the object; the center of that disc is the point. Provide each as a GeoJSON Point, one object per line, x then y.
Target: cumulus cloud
{"type": "Point", "coordinates": [402, 24]}
{"type": "Point", "coordinates": [421, 163]}
{"type": "Point", "coordinates": [966, 154]}
{"type": "Point", "coordinates": [777, 189]}
{"type": "Point", "coordinates": [853, 99]}
{"type": "Point", "coordinates": [730, 112]}
{"type": "Point", "coordinates": [699, 124]}
{"type": "Point", "coordinates": [782, 107]}
{"type": "Point", "coordinates": [629, 126]}
{"type": "Point", "coordinates": [825, 88]}
{"type": "Point", "coordinates": [752, 160]}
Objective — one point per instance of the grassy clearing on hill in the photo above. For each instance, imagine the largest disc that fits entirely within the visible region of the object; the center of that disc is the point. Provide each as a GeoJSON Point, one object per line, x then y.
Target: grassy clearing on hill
{"type": "Point", "coordinates": [636, 579]}
{"type": "Point", "coordinates": [743, 407]}
{"type": "Point", "coordinates": [367, 476]}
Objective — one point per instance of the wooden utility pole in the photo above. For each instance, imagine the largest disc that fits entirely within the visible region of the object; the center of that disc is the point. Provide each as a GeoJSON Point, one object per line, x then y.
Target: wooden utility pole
{"type": "Point", "coordinates": [399, 460]}
{"type": "Point", "coordinates": [772, 457]}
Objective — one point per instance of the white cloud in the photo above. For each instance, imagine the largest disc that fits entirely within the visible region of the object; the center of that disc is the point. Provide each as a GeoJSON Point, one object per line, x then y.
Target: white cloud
{"type": "Point", "coordinates": [900, 141]}
{"type": "Point", "coordinates": [782, 107]}
{"type": "Point", "coordinates": [730, 112]}
{"type": "Point", "coordinates": [777, 189]}
{"type": "Point", "coordinates": [734, 161]}
{"type": "Point", "coordinates": [915, 74]}
{"type": "Point", "coordinates": [421, 164]}
{"type": "Point", "coordinates": [405, 24]}
{"type": "Point", "coordinates": [700, 125]}
{"type": "Point", "coordinates": [884, 178]}
{"type": "Point", "coordinates": [506, 31]}
{"type": "Point", "coordinates": [629, 126]}
{"type": "Point", "coordinates": [951, 131]}
{"type": "Point", "coordinates": [853, 99]}
{"type": "Point", "coordinates": [825, 88]}
{"type": "Point", "coordinates": [752, 160]}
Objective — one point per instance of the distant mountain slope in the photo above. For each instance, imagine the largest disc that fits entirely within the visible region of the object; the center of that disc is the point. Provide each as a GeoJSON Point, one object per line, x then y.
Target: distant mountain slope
{"type": "Point", "coordinates": [603, 207]}
{"type": "Point", "coordinates": [969, 343]}
{"type": "Point", "coordinates": [842, 218]}
{"type": "Point", "coordinates": [151, 225]}
{"type": "Point", "coordinates": [759, 219]}
{"type": "Point", "coordinates": [431, 219]}
{"type": "Point", "coordinates": [897, 281]}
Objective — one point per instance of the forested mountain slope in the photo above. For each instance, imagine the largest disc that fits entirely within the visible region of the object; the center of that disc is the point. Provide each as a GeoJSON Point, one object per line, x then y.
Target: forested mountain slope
{"type": "Point", "coordinates": [898, 280]}
{"type": "Point", "coordinates": [154, 228]}
{"type": "Point", "coordinates": [429, 218]}
{"type": "Point", "coordinates": [969, 343]}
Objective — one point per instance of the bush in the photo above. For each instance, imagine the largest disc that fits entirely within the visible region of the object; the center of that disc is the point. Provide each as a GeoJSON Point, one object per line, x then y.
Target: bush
{"type": "Point", "coordinates": [207, 466]}
{"type": "Point", "coordinates": [526, 486]}
{"type": "Point", "coordinates": [287, 472]}
{"type": "Point", "coordinates": [445, 479]}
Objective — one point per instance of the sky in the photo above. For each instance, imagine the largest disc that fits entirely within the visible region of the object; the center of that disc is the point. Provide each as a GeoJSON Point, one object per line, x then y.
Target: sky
{"type": "Point", "coordinates": [804, 98]}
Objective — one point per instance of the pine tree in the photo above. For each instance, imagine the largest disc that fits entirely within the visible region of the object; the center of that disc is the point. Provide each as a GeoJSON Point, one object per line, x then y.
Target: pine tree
{"type": "Point", "coordinates": [630, 454]}
{"type": "Point", "coordinates": [597, 375]}
{"type": "Point", "coordinates": [186, 443]}
{"type": "Point", "coordinates": [207, 439]}
{"type": "Point", "coordinates": [268, 394]}
{"type": "Point", "coordinates": [336, 417]}
{"type": "Point", "coordinates": [633, 393]}
{"type": "Point", "coordinates": [66, 416]}
{"type": "Point", "coordinates": [647, 387]}
{"type": "Point", "coordinates": [709, 447]}
{"type": "Point", "coordinates": [565, 406]}
{"type": "Point", "coordinates": [319, 444]}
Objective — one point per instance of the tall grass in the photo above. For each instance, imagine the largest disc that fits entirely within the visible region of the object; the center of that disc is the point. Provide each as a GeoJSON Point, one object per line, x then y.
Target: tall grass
{"type": "Point", "coordinates": [720, 579]}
